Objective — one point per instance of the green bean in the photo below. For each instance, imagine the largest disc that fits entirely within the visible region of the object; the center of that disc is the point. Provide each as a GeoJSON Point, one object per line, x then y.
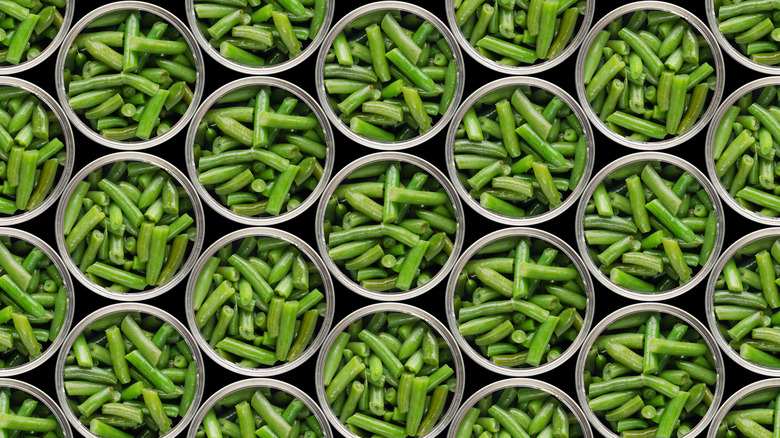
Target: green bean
{"type": "Point", "coordinates": [226, 149]}
{"type": "Point", "coordinates": [261, 279]}
{"type": "Point", "coordinates": [647, 371]}
{"type": "Point", "coordinates": [134, 375]}
{"type": "Point", "coordinates": [519, 28]}
{"type": "Point", "coordinates": [747, 24]}
{"type": "Point", "coordinates": [410, 386]}
{"type": "Point", "coordinates": [134, 251]}
{"type": "Point", "coordinates": [498, 319]}
{"type": "Point", "coordinates": [753, 182]}
{"type": "Point", "coordinates": [29, 185]}
{"type": "Point", "coordinates": [415, 213]}
{"type": "Point", "coordinates": [22, 412]}
{"type": "Point", "coordinates": [280, 411]}
{"type": "Point", "coordinates": [662, 223]}
{"type": "Point", "coordinates": [141, 40]}
{"type": "Point", "coordinates": [753, 261]}
{"type": "Point", "coordinates": [542, 157]}
{"type": "Point", "coordinates": [650, 58]}
{"type": "Point", "coordinates": [27, 314]}
{"type": "Point", "coordinates": [383, 73]}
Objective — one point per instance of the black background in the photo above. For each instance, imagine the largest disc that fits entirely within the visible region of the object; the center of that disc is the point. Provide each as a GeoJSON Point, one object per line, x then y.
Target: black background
{"type": "Point", "coordinates": [347, 151]}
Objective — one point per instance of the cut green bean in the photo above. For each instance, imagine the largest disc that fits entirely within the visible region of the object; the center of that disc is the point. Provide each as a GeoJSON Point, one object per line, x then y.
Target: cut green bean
{"type": "Point", "coordinates": [660, 66]}
{"type": "Point", "coordinates": [665, 251]}
{"type": "Point", "coordinates": [143, 245]}
{"type": "Point", "coordinates": [370, 406]}
{"type": "Point", "coordinates": [149, 64]}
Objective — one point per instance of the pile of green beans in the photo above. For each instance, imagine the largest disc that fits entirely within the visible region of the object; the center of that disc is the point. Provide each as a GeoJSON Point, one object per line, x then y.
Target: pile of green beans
{"type": "Point", "coordinates": [27, 27]}
{"type": "Point", "coordinates": [266, 169]}
{"type": "Point", "coordinates": [22, 413]}
{"type": "Point", "coordinates": [509, 145]}
{"type": "Point", "coordinates": [260, 412]}
{"type": "Point", "coordinates": [753, 26]}
{"type": "Point", "coordinates": [516, 33]}
{"type": "Point", "coordinates": [754, 416]}
{"type": "Point", "coordinates": [129, 75]}
{"type": "Point", "coordinates": [34, 303]}
{"type": "Point", "coordinates": [525, 320]}
{"type": "Point", "coordinates": [381, 67]}
{"type": "Point", "coordinates": [389, 374]}
{"type": "Point", "coordinates": [519, 411]}
{"type": "Point", "coordinates": [650, 226]}
{"type": "Point", "coordinates": [395, 244]}
{"type": "Point", "coordinates": [256, 33]}
{"type": "Point", "coordinates": [127, 226]}
{"type": "Point", "coordinates": [746, 301]}
{"type": "Point", "coordinates": [32, 150]}
{"type": "Point", "coordinates": [257, 303]}
{"type": "Point", "coordinates": [649, 77]}
{"type": "Point", "coordinates": [129, 375]}
{"type": "Point", "coordinates": [746, 158]}
{"type": "Point", "coordinates": [650, 375]}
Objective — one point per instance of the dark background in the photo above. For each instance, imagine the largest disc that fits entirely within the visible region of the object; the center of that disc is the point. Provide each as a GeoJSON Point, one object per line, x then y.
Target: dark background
{"type": "Point", "coordinates": [433, 151]}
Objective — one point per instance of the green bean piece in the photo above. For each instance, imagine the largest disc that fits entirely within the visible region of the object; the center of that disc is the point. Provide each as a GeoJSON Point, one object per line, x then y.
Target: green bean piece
{"type": "Point", "coordinates": [749, 25]}
{"type": "Point", "coordinates": [744, 304]}
{"type": "Point", "coordinates": [34, 305]}
{"type": "Point", "coordinates": [637, 382]}
{"type": "Point", "coordinates": [143, 245]}
{"type": "Point", "coordinates": [282, 414]}
{"type": "Point", "coordinates": [662, 250]}
{"type": "Point", "coordinates": [394, 93]}
{"type": "Point", "coordinates": [30, 175]}
{"type": "Point", "coordinates": [247, 155]}
{"type": "Point", "coordinates": [367, 409]}
{"type": "Point", "coordinates": [649, 58]}
{"type": "Point", "coordinates": [499, 313]}
{"type": "Point", "coordinates": [31, 28]}
{"type": "Point", "coordinates": [412, 221]}
{"type": "Point", "coordinates": [535, 160]}
{"type": "Point", "coordinates": [278, 304]}
{"type": "Point", "coordinates": [139, 59]}
{"type": "Point", "coordinates": [525, 34]}
{"type": "Point", "coordinates": [21, 412]}
{"type": "Point", "coordinates": [142, 393]}
{"type": "Point", "coordinates": [754, 179]}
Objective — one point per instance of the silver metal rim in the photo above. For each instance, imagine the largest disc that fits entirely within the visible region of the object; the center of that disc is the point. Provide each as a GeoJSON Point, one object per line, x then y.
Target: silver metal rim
{"type": "Point", "coordinates": [337, 272]}
{"type": "Point", "coordinates": [67, 20]}
{"type": "Point", "coordinates": [590, 9]}
{"type": "Point", "coordinates": [520, 383]}
{"type": "Point", "coordinates": [323, 96]}
{"type": "Point", "coordinates": [208, 197]}
{"type": "Point", "coordinates": [710, 304]}
{"type": "Point", "coordinates": [69, 310]}
{"type": "Point", "coordinates": [43, 397]}
{"type": "Point", "coordinates": [70, 150]}
{"type": "Point", "coordinates": [129, 307]}
{"type": "Point", "coordinates": [729, 47]}
{"type": "Point", "coordinates": [666, 158]}
{"type": "Point", "coordinates": [472, 352]}
{"type": "Point", "coordinates": [200, 224]}
{"type": "Point", "coordinates": [330, 299]}
{"type": "Point", "coordinates": [735, 398]}
{"type": "Point", "coordinates": [86, 129]}
{"type": "Point", "coordinates": [709, 153]}
{"type": "Point", "coordinates": [513, 82]}
{"type": "Point", "coordinates": [259, 383]}
{"type": "Point", "coordinates": [460, 373]}
{"type": "Point", "coordinates": [720, 72]}
{"type": "Point", "coordinates": [640, 308]}
{"type": "Point", "coordinates": [192, 20]}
